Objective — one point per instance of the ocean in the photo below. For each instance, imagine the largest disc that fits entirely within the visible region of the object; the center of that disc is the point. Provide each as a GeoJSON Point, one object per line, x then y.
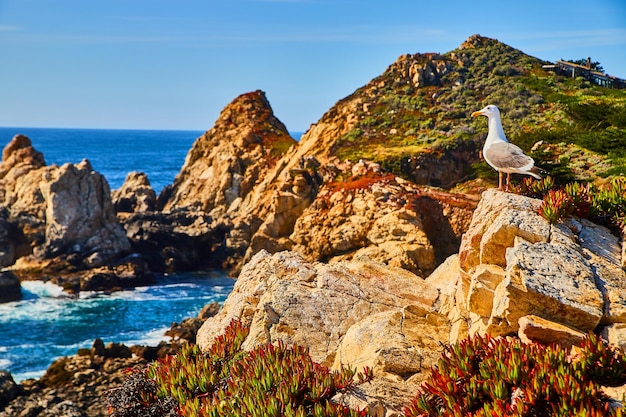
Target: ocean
{"type": "Point", "coordinates": [47, 324]}
{"type": "Point", "coordinates": [113, 153]}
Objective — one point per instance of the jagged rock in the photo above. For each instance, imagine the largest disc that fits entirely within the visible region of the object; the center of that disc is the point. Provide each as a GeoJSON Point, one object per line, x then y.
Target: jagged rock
{"type": "Point", "coordinates": [385, 218]}
{"type": "Point", "coordinates": [513, 264]}
{"type": "Point", "coordinates": [10, 288]}
{"type": "Point", "coordinates": [79, 216]}
{"type": "Point", "coordinates": [57, 222]}
{"type": "Point", "coordinates": [328, 307]}
{"type": "Point", "coordinates": [19, 157]}
{"type": "Point", "coordinates": [289, 203]}
{"type": "Point", "coordinates": [185, 330]}
{"type": "Point", "coordinates": [21, 172]}
{"type": "Point", "coordinates": [419, 70]}
{"type": "Point", "coordinates": [225, 163]}
{"type": "Point", "coordinates": [135, 195]}
{"type": "Point", "coordinates": [12, 241]}
{"type": "Point", "coordinates": [209, 311]}
{"type": "Point", "coordinates": [176, 241]}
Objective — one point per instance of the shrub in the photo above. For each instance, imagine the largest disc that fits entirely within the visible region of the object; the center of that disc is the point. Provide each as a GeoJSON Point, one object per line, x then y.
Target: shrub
{"type": "Point", "coordinates": [271, 380]}
{"type": "Point", "coordinates": [484, 376]}
{"type": "Point", "coordinates": [604, 204]}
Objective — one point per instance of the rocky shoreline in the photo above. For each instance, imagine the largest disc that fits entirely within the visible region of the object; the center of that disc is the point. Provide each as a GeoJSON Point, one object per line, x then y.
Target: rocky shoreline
{"type": "Point", "coordinates": [343, 255]}
{"type": "Point", "coordinates": [74, 386]}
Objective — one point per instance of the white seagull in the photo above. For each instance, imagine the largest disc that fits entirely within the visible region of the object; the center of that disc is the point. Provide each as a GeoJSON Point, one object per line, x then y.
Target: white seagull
{"type": "Point", "coordinates": [502, 155]}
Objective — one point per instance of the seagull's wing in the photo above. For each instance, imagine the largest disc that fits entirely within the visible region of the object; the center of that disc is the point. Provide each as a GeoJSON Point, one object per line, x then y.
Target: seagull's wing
{"type": "Point", "coordinates": [506, 157]}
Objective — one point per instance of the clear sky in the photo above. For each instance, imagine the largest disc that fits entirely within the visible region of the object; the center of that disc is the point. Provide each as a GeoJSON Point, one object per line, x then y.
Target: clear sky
{"type": "Point", "coordinates": [174, 64]}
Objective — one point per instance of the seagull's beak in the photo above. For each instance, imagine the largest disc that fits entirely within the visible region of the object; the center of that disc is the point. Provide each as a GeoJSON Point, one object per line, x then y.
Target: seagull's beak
{"type": "Point", "coordinates": [477, 113]}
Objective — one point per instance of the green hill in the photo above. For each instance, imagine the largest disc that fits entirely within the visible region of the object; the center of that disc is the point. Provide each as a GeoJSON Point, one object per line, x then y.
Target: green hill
{"type": "Point", "coordinates": [417, 115]}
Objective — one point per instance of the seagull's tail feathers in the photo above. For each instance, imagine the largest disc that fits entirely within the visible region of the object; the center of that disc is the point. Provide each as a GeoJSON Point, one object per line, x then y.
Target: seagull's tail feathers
{"type": "Point", "coordinates": [537, 172]}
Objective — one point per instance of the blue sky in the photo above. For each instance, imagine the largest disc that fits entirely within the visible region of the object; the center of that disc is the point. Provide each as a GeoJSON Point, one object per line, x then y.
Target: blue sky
{"type": "Point", "coordinates": [174, 64]}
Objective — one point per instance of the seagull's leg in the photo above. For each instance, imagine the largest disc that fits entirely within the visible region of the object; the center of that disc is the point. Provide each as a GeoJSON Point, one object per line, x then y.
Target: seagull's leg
{"type": "Point", "coordinates": [508, 180]}
{"type": "Point", "coordinates": [499, 180]}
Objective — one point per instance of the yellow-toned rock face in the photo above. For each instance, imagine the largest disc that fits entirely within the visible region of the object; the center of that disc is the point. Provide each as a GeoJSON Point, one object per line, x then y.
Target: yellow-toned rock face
{"type": "Point", "coordinates": [514, 265]}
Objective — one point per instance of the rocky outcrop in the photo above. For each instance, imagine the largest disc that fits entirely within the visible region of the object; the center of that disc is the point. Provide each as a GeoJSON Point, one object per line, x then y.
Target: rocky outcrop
{"type": "Point", "coordinates": [135, 195]}
{"type": "Point", "coordinates": [358, 313]}
{"type": "Point", "coordinates": [517, 274]}
{"type": "Point", "coordinates": [385, 218]}
{"type": "Point", "coordinates": [58, 222]}
{"type": "Point", "coordinates": [419, 70]}
{"type": "Point", "coordinates": [80, 220]}
{"type": "Point", "coordinates": [10, 288]}
{"type": "Point", "coordinates": [225, 163]}
{"type": "Point", "coordinates": [181, 240]}
{"type": "Point", "coordinates": [8, 389]}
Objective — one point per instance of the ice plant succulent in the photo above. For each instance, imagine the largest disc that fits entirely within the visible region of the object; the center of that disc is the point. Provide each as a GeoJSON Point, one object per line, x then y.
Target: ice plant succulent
{"type": "Point", "coordinates": [489, 377]}
{"type": "Point", "coordinates": [604, 204]}
{"type": "Point", "coordinates": [270, 380]}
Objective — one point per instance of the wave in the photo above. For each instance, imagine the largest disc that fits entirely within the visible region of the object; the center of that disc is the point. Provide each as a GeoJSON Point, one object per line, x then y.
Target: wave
{"type": "Point", "coordinates": [150, 338]}
{"type": "Point", "coordinates": [5, 363]}
{"type": "Point", "coordinates": [44, 289]}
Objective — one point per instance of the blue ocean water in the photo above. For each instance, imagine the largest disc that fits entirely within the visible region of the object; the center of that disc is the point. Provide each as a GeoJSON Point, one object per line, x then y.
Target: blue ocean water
{"type": "Point", "coordinates": [113, 153]}
{"type": "Point", "coordinates": [47, 323]}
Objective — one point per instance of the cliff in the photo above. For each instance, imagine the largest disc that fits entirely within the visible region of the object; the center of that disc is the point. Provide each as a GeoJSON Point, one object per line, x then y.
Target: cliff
{"type": "Point", "coordinates": [515, 275]}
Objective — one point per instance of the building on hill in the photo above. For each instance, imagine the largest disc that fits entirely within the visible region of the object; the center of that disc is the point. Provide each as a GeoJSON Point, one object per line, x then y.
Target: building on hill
{"type": "Point", "coordinates": [575, 70]}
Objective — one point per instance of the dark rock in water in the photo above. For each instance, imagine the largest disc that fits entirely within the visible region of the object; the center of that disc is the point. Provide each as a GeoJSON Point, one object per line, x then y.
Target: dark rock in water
{"type": "Point", "coordinates": [10, 288]}
{"type": "Point", "coordinates": [186, 330]}
{"type": "Point", "coordinates": [8, 389]}
{"type": "Point", "coordinates": [176, 241]}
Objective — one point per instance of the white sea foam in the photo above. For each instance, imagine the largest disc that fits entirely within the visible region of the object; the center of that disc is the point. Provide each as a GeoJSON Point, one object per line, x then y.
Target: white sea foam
{"type": "Point", "coordinates": [22, 376]}
{"type": "Point", "coordinates": [4, 363]}
{"type": "Point", "coordinates": [44, 289]}
{"type": "Point", "coordinates": [33, 309]}
{"type": "Point", "coordinates": [150, 338]}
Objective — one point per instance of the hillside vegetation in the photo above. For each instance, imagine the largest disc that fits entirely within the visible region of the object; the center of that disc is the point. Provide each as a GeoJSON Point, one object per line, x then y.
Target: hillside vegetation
{"type": "Point", "coordinates": [422, 104]}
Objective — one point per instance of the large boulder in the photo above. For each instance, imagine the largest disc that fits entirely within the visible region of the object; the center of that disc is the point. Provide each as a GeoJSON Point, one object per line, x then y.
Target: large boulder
{"type": "Point", "coordinates": [135, 195]}
{"type": "Point", "coordinates": [80, 220]}
{"type": "Point", "coordinates": [8, 389]}
{"type": "Point", "coordinates": [519, 275]}
{"type": "Point", "coordinates": [358, 313]}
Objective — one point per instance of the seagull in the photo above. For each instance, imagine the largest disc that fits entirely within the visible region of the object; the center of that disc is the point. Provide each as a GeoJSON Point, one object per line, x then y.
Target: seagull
{"type": "Point", "coordinates": [502, 155]}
